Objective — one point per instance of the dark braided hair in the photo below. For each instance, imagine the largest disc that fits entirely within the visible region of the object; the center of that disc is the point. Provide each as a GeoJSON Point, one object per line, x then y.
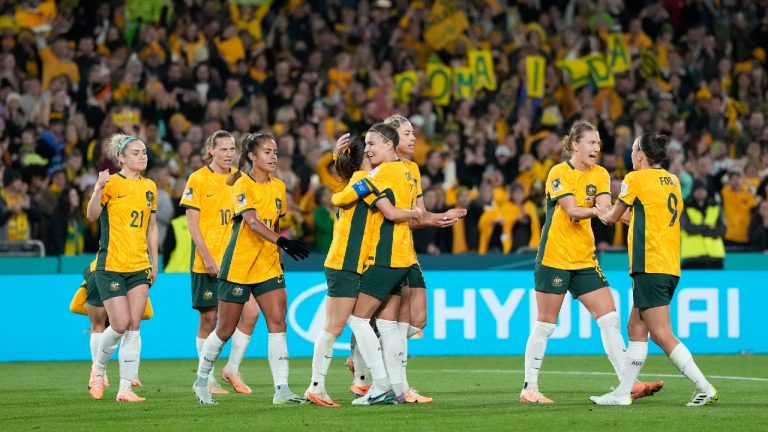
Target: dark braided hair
{"type": "Point", "coordinates": [248, 144]}
{"type": "Point", "coordinates": [654, 146]}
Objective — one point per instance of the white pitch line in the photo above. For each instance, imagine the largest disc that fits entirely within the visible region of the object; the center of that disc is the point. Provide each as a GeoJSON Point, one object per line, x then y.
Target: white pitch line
{"type": "Point", "coordinates": [511, 371]}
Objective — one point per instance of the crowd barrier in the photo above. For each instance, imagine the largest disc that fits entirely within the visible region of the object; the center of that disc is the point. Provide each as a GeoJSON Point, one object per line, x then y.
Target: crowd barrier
{"type": "Point", "coordinates": [470, 313]}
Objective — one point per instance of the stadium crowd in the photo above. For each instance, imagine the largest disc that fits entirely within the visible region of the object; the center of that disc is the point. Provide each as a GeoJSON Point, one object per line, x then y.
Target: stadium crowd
{"type": "Point", "coordinates": [74, 72]}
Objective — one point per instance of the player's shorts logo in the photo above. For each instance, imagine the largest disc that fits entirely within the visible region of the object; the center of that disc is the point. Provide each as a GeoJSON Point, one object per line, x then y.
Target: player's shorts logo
{"type": "Point", "coordinates": [557, 281]}
{"type": "Point", "coordinates": [237, 291]}
{"type": "Point", "coordinates": [114, 286]}
{"type": "Point", "coordinates": [207, 295]}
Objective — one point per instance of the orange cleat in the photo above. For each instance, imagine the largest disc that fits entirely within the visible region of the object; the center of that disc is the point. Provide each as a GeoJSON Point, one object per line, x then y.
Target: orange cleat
{"type": "Point", "coordinates": [642, 389]}
{"type": "Point", "coordinates": [359, 390]}
{"type": "Point", "coordinates": [235, 381]}
{"type": "Point", "coordinates": [216, 388]}
{"type": "Point", "coordinates": [413, 396]}
{"type": "Point", "coordinates": [322, 400]}
{"type": "Point", "coordinates": [96, 386]}
{"type": "Point", "coordinates": [129, 396]}
{"type": "Point", "coordinates": [534, 396]}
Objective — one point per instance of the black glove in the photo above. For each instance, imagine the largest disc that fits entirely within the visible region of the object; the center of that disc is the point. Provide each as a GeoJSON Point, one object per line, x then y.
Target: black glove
{"type": "Point", "coordinates": [297, 249]}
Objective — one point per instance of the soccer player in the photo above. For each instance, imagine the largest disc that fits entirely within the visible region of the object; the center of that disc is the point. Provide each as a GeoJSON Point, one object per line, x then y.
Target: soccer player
{"type": "Point", "coordinates": [412, 317]}
{"type": "Point", "coordinates": [381, 282]}
{"type": "Point", "coordinates": [346, 257]}
{"type": "Point", "coordinates": [126, 263]}
{"type": "Point", "coordinates": [576, 191]}
{"type": "Point", "coordinates": [251, 265]}
{"type": "Point", "coordinates": [652, 197]}
{"type": "Point", "coordinates": [207, 199]}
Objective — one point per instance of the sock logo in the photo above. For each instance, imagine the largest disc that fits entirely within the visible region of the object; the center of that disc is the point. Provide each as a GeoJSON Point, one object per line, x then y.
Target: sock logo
{"type": "Point", "coordinates": [637, 363]}
{"type": "Point", "coordinates": [283, 358]}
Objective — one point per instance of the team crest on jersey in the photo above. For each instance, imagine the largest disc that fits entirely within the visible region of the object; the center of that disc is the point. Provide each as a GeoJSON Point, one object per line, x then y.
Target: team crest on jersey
{"type": "Point", "coordinates": [591, 190]}
{"type": "Point", "coordinates": [237, 291]}
{"type": "Point", "coordinates": [557, 281]}
{"type": "Point", "coordinates": [556, 185]}
{"type": "Point", "coordinates": [241, 200]}
{"type": "Point", "coordinates": [150, 196]}
{"type": "Point", "coordinates": [114, 286]}
{"type": "Point", "coordinates": [278, 204]}
{"type": "Point", "coordinates": [188, 193]}
{"type": "Point", "coordinates": [207, 295]}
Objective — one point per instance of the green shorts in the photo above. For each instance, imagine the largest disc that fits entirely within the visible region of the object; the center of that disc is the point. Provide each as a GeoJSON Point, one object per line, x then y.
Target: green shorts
{"type": "Point", "coordinates": [578, 282]}
{"type": "Point", "coordinates": [381, 282]}
{"type": "Point", "coordinates": [92, 296]}
{"type": "Point", "coordinates": [204, 291]}
{"type": "Point", "coordinates": [653, 289]}
{"type": "Point", "coordinates": [116, 284]}
{"type": "Point", "coordinates": [416, 277]}
{"type": "Point", "coordinates": [240, 293]}
{"type": "Point", "coordinates": [342, 283]}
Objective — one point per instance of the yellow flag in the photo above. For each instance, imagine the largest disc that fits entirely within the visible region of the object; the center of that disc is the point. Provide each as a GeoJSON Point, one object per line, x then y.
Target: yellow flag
{"type": "Point", "coordinates": [534, 73]}
{"type": "Point", "coordinates": [599, 70]}
{"type": "Point", "coordinates": [481, 63]}
{"type": "Point", "coordinates": [577, 70]}
{"type": "Point", "coordinates": [465, 82]}
{"type": "Point", "coordinates": [618, 53]}
{"type": "Point", "coordinates": [439, 79]}
{"type": "Point", "coordinates": [445, 24]}
{"type": "Point", "coordinates": [404, 84]}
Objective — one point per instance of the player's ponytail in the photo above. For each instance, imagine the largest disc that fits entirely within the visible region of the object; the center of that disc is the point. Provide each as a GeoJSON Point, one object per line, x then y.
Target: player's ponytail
{"type": "Point", "coordinates": [248, 144]}
{"type": "Point", "coordinates": [349, 160]}
{"type": "Point", "coordinates": [210, 144]}
{"type": "Point", "coordinates": [654, 146]}
{"type": "Point", "coordinates": [577, 131]}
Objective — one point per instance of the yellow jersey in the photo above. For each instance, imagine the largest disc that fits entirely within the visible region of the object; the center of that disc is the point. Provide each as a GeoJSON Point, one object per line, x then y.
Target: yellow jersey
{"type": "Point", "coordinates": [737, 206]}
{"type": "Point", "coordinates": [413, 168]}
{"type": "Point", "coordinates": [567, 244]}
{"type": "Point", "coordinates": [394, 241]}
{"type": "Point", "coordinates": [127, 205]}
{"type": "Point", "coordinates": [654, 226]}
{"type": "Point", "coordinates": [249, 258]}
{"type": "Point", "coordinates": [351, 244]}
{"type": "Point", "coordinates": [208, 193]}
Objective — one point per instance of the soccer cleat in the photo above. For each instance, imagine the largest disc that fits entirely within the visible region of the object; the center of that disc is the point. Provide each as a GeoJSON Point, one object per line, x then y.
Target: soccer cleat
{"type": "Point", "coordinates": [359, 390]}
{"type": "Point", "coordinates": [387, 397]}
{"type": "Point", "coordinates": [284, 396]}
{"type": "Point", "coordinates": [215, 388]}
{"type": "Point", "coordinates": [96, 383]}
{"type": "Point", "coordinates": [129, 396]}
{"type": "Point", "coordinates": [704, 398]}
{"type": "Point", "coordinates": [611, 399]}
{"type": "Point", "coordinates": [399, 399]}
{"type": "Point", "coordinates": [642, 389]}
{"type": "Point", "coordinates": [413, 396]}
{"type": "Point", "coordinates": [235, 381]}
{"type": "Point", "coordinates": [320, 399]}
{"type": "Point", "coordinates": [534, 396]}
{"type": "Point", "coordinates": [136, 383]}
{"type": "Point", "coordinates": [203, 395]}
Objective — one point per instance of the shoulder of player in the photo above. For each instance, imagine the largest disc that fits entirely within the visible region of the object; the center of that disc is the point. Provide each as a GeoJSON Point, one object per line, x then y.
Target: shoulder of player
{"type": "Point", "coordinates": [277, 183]}
{"type": "Point", "coordinates": [599, 170]}
{"type": "Point", "coordinates": [559, 170]}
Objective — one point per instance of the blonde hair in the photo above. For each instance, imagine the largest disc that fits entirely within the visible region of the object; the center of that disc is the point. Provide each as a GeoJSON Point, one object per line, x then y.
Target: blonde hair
{"type": "Point", "coordinates": [577, 131]}
{"type": "Point", "coordinates": [118, 142]}
{"type": "Point", "coordinates": [210, 143]}
{"type": "Point", "coordinates": [396, 121]}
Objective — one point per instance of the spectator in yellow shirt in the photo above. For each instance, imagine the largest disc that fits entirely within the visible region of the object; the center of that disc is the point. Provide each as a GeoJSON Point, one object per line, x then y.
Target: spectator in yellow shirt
{"type": "Point", "coordinates": [738, 201]}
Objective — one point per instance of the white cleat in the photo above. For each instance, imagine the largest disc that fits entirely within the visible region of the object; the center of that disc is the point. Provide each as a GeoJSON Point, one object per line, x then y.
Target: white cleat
{"type": "Point", "coordinates": [704, 398]}
{"type": "Point", "coordinates": [611, 399]}
{"type": "Point", "coordinates": [284, 396]}
{"type": "Point", "coordinates": [203, 395]}
{"type": "Point", "coordinates": [387, 398]}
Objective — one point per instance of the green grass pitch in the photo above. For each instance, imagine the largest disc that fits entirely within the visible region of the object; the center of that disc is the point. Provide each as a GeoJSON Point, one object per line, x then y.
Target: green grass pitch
{"type": "Point", "coordinates": [471, 393]}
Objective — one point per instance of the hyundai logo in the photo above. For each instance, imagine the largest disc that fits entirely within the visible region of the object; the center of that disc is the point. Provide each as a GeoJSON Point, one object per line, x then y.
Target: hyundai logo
{"type": "Point", "coordinates": [306, 314]}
